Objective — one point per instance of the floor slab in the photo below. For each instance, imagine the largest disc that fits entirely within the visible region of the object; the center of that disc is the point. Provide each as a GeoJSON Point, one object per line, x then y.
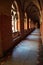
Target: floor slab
{"type": "Point", "coordinates": [26, 52]}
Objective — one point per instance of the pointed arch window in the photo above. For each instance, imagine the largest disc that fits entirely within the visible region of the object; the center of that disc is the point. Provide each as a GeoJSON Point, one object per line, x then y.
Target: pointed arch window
{"type": "Point", "coordinates": [15, 18]}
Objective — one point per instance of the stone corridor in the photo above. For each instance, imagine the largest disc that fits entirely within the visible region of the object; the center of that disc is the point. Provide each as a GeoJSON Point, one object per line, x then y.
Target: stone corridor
{"type": "Point", "coordinates": [27, 51]}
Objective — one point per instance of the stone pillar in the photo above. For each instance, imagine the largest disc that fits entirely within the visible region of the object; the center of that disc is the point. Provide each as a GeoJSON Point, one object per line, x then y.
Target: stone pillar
{"type": "Point", "coordinates": [22, 22]}
{"type": "Point", "coordinates": [27, 23]}
{"type": "Point", "coordinates": [1, 52]}
{"type": "Point", "coordinates": [41, 26]}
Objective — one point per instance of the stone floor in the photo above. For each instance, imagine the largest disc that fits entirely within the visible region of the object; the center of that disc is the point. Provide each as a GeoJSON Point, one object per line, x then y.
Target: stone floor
{"type": "Point", "coordinates": [26, 52]}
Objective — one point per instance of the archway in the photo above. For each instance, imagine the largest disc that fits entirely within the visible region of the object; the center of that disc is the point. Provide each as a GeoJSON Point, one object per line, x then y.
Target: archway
{"type": "Point", "coordinates": [33, 13]}
{"type": "Point", "coordinates": [15, 19]}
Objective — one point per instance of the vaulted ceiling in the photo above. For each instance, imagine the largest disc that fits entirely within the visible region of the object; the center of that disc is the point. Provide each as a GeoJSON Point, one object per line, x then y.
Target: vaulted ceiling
{"type": "Point", "coordinates": [32, 8]}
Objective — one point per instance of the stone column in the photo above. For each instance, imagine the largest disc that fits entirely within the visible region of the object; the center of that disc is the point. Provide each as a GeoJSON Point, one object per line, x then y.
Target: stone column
{"type": "Point", "coordinates": [27, 23]}
{"type": "Point", "coordinates": [22, 22]}
{"type": "Point", "coordinates": [41, 26]}
{"type": "Point", "coordinates": [1, 52]}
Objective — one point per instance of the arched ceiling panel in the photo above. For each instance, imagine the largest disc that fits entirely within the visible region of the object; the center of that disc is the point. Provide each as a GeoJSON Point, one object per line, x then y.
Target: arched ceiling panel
{"type": "Point", "coordinates": [25, 3]}
{"type": "Point", "coordinates": [33, 12]}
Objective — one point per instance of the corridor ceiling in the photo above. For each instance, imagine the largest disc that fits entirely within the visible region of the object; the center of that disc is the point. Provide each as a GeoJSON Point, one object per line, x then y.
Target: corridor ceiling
{"type": "Point", "coordinates": [32, 8]}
